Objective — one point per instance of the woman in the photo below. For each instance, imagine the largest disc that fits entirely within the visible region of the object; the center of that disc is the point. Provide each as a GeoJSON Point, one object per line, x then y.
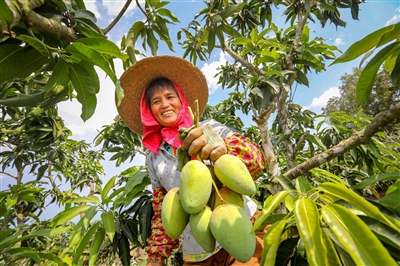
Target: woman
{"type": "Point", "coordinates": [157, 94]}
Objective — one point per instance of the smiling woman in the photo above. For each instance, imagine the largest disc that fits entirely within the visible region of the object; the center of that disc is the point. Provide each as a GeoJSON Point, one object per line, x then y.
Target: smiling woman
{"type": "Point", "coordinates": [158, 92]}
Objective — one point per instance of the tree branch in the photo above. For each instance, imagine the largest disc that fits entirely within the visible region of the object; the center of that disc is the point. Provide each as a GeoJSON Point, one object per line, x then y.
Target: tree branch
{"type": "Point", "coordinates": [117, 18]}
{"type": "Point", "coordinates": [50, 25]}
{"type": "Point", "coordinates": [360, 137]}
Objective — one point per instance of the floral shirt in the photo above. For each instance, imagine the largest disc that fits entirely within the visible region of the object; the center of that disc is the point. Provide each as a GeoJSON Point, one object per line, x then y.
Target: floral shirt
{"type": "Point", "coordinates": [165, 176]}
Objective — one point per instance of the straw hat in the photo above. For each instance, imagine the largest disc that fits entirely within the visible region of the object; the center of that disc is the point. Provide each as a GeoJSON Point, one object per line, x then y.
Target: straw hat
{"type": "Point", "coordinates": [136, 78]}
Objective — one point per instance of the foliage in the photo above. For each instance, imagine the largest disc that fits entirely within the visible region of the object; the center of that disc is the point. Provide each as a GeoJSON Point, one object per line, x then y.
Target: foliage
{"type": "Point", "coordinates": [49, 51]}
{"type": "Point", "coordinates": [388, 56]}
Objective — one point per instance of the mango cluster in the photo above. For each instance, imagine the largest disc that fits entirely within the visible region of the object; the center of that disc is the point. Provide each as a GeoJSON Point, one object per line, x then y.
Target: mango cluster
{"type": "Point", "coordinates": [210, 199]}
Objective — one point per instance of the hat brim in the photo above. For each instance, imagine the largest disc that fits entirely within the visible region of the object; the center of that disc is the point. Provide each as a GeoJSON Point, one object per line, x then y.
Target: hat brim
{"type": "Point", "coordinates": [136, 78]}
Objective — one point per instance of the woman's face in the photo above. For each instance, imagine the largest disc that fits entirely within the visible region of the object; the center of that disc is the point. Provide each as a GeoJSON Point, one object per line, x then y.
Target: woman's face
{"type": "Point", "coordinates": [165, 105]}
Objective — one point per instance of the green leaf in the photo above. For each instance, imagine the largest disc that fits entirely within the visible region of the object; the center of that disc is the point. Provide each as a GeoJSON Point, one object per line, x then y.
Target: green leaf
{"type": "Point", "coordinates": [127, 230]}
{"type": "Point", "coordinates": [59, 79]}
{"type": "Point", "coordinates": [93, 56]}
{"type": "Point", "coordinates": [88, 199]}
{"type": "Point", "coordinates": [68, 214]}
{"type": "Point", "coordinates": [24, 253]}
{"type": "Point", "coordinates": [362, 46]}
{"type": "Point", "coordinates": [362, 204]}
{"type": "Point", "coordinates": [24, 100]}
{"type": "Point", "coordinates": [95, 246]}
{"type": "Point", "coordinates": [84, 242]}
{"type": "Point", "coordinates": [377, 178]}
{"type": "Point", "coordinates": [145, 215]}
{"type": "Point", "coordinates": [307, 221]}
{"type": "Point", "coordinates": [303, 185]}
{"type": "Point", "coordinates": [6, 15]}
{"type": "Point", "coordinates": [51, 231]}
{"type": "Point", "coordinates": [19, 62]}
{"type": "Point", "coordinates": [270, 205]}
{"type": "Point", "coordinates": [35, 43]}
{"type": "Point", "coordinates": [271, 242]}
{"type": "Point", "coordinates": [353, 234]}
{"type": "Point", "coordinates": [85, 90]}
{"type": "Point", "coordinates": [110, 184]}
{"type": "Point", "coordinates": [367, 77]}
{"type": "Point", "coordinates": [124, 250]}
{"type": "Point", "coordinates": [108, 223]}
{"type": "Point", "coordinates": [103, 46]}
{"type": "Point", "coordinates": [152, 42]}
{"type": "Point", "coordinates": [382, 231]}
{"type": "Point", "coordinates": [230, 10]}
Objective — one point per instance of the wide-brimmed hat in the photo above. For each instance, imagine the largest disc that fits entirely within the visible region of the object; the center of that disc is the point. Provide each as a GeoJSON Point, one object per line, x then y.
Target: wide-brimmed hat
{"type": "Point", "coordinates": [136, 78]}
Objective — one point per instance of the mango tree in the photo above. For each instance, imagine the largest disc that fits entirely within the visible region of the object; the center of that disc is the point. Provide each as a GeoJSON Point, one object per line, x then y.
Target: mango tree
{"type": "Point", "coordinates": [54, 46]}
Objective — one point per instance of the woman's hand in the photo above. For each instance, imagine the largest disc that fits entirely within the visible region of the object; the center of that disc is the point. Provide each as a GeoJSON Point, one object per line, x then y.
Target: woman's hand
{"type": "Point", "coordinates": [205, 142]}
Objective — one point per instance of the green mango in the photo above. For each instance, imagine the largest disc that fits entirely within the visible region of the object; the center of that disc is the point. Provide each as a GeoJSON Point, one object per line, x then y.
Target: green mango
{"type": "Point", "coordinates": [228, 196]}
{"type": "Point", "coordinates": [195, 186]}
{"type": "Point", "coordinates": [173, 216]}
{"type": "Point", "coordinates": [200, 226]}
{"type": "Point", "coordinates": [232, 228]}
{"type": "Point", "coordinates": [233, 173]}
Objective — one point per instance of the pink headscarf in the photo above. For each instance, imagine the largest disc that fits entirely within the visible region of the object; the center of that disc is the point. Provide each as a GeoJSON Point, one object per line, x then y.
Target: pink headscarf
{"type": "Point", "coordinates": [154, 133]}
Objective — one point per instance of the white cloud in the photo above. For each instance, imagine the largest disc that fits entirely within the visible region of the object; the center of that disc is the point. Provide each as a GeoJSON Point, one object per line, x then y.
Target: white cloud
{"type": "Point", "coordinates": [321, 101]}
{"type": "Point", "coordinates": [104, 114]}
{"type": "Point", "coordinates": [210, 70]}
{"type": "Point", "coordinates": [114, 7]}
{"type": "Point", "coordinates": [92, 6]}
{"type": "Point", "coordinates": [339, 41]}
{"type": "Point", "coordinates": [395, 18]}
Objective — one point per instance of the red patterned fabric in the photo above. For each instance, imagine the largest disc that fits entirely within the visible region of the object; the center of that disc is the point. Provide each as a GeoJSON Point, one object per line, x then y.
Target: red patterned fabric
{"type": "Point", "coordinates": [248, 151]}
{"type": "Point", "coordinates": [159, 245]}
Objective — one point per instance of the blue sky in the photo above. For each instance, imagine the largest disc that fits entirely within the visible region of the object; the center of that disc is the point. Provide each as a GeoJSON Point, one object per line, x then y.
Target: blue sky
{"type": "Point", "coordinates": [373, 15]}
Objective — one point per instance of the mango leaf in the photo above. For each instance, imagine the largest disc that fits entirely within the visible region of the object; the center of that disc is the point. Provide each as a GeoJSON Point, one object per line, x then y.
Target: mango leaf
{"type": "Point", "coordinates": [391, 199]}
{"type": "Point", "coordinates": [24, 253]}
{"type": "Point", "coordinates": [104, 46]}
{"type": "Point", "coordinates": [19, 62]}
{"type": "Point", "coordinates": [95, 246]}
{"type": "Point", "coordinates": [84, 242]}
{"type": "Point", "coordinates": [303, 185]}
{"type": "Point", "coordinates": [367, 77]}
{"type": "Point", "coordinates": [145, 215]}
{"type": "Point", "coordinates": [68, 214]}
{"type": "Point", "coordinates": [85, 90]}
{"type": "Point", "coordinates": [353, 234]}
{"type": "Point", "coordinates": [88, 199]}
{"type": "Point", "coordinates": [382, 231]}
{"type": "Point", "coordinates": [271, 242]}
{"type": "Point", "coordinates": [307, 221]}
{"type": "Point", "coordinates": [133, 34]}
{"type": "Point", "coordinates": [362, 46]}
{"type": "Point", "coordinates": [108, 223]}
{"type": "Point", "coordinates": [362, 204]}
{"type": "Point", "coordinates": [35, 43]}
{"type": "Point", "coordinates": [128, 231]}
{"type": "Point", "coordinates": [377, 178]}
{"type": "Point", "coordinates": [93, 56]}
{"type": "Point", "coordinates": [270, 205]}
{"type": "Point", "coordinates": [124, 250]}
{"type": "Point", "coordinates": [24, 100]}
{"type": "Point", "coordinates": [109, 185]}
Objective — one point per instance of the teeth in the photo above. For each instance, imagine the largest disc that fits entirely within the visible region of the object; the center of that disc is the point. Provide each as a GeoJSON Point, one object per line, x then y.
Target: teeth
{"type": "Point", "coordinates": [167, 113]}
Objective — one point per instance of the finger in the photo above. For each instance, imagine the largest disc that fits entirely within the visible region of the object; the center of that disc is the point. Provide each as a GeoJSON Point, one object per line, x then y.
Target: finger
{"type": "Point", "coordinates": [205, 152]}
{"type": "Point", "coordinates": [217, 152]}
{"type": "Point", "coordinates": [191, 136]}
{"type": "Point", "coordinates": [197, 145]}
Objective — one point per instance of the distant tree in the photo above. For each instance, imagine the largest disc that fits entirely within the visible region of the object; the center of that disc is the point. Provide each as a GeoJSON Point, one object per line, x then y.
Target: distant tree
{"type": "Point", "coordinates": [384, 95]}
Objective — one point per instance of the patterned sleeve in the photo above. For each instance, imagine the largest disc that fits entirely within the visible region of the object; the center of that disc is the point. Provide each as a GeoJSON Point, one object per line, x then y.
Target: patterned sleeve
{"type": "Point", "coordinates": [159, 245]}
{"type": "Point", "coordinates": [248, 151]}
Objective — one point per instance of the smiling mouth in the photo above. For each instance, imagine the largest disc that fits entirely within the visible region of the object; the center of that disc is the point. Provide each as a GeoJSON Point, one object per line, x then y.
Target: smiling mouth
{"type": "Point", "coordinates": [168, 113]}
